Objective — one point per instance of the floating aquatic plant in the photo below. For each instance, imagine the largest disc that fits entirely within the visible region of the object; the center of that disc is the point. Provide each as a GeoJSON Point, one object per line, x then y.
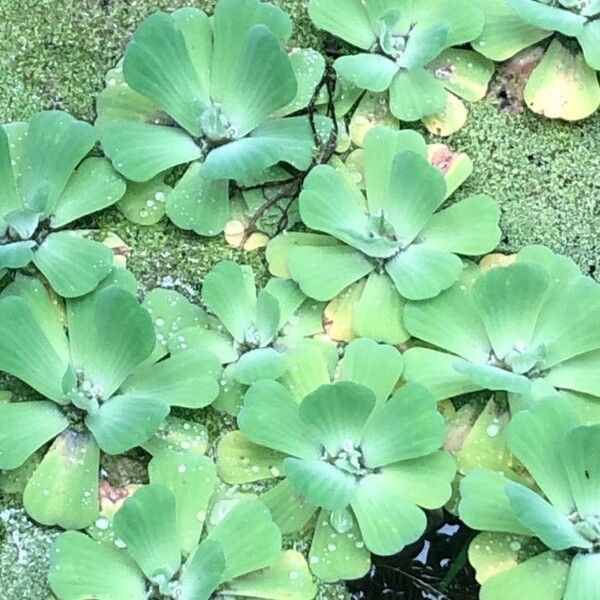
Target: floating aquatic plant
{"type": "Point", "coordinates": [542, 539]}
{"type": "Point", "coordinates": [378, 248]}
{"type": "Point", "coordinates": [103, 389]}
{"type": "Point", "coordinates": [529, 329]}
{"type": "Point", "coordinates": [46, 183]}
{"type": "Point", "coordinates": [362, 467]}
{"type": "Point", "coordinates": [154, 556]}
{"type": "Point", "coordinates": [565, 83]}
{"type": "Point", "coordinates": [409, 52]}
{"type": "Point", "coordinates": [194, 91]}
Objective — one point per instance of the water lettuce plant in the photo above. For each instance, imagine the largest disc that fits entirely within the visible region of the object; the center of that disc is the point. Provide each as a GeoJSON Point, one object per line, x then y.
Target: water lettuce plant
{"type": "Point", "coordinates": [565, 83]}
{"type": "Point", "coordinates": [46, 183]}
{"type": "Point", "coordinates": [194, 91]}
{"type": "Point", "coordinates": [529, 329]}
{"type": "Point", "coordinates": [389, 243]}
{"type": "Point", "coordinates": [101, 389]}
{"type": "Point", "coordinates": [151, 560]}
{"type": "Point", "coordinates": [363, 468]}
{"type": "Point", "coordinates": [541, 536]}
{"type": "Point", "coordinates": [409, 51]}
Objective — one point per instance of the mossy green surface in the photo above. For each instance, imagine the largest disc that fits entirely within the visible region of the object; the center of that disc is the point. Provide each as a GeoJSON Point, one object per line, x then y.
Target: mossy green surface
{"type": "Point", "coordinates": [54, 54]}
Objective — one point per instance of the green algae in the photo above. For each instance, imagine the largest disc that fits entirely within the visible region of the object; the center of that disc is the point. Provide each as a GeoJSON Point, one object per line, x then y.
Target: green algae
{"type": "Point", "coordinates": [54, 54]}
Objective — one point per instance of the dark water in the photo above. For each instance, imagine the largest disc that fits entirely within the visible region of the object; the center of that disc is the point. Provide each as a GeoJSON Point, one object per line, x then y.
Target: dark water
{"type": "Point", "coordinates": [434, 568]}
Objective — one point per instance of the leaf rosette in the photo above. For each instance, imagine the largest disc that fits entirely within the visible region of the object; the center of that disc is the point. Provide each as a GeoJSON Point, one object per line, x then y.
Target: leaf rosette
{"type": "Point", "coordinates": [46, 183]}
{"type": "Point", "coordinates": [377, 248]}
{"type": "Point", "coordinates": [104, 389]}
{"type": "Point", "coordinates": [195, 90]}
{"type": "Point", "coordinates": [565, 83]}
{"type": "Point", "coordinates": [542, 540]}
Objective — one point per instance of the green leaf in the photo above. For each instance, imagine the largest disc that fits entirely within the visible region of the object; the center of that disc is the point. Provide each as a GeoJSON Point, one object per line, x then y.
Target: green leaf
{"type": "Point", "coordinates": [290, 510]}
{"type": "Point", "coordinates": [288, 140]}
{"type": "Point", "coordinates": [231, 394]}
{"type": "Point", "coordinates": [407, 426]}
{"type": "Point", "coordinates": [336, 555]}
{"type": "Point", "coordinates": [92, 187]}
{"type": "Point", "coordinates": [267, 317]}
{"type": "Point", "coordinates": [376, 366]}
{"type": "Point", "coordinates": [121, 337]}
{"type": "Point", "coordinates": [336, 414]}
{"type": "Point", "coordinates": [147, 524]}
{"type": "Point", "coordinates": [241, 461]}
{"type": "Point", "coordinates": [24, 427]}
{"type": "Point", "coordinates": [543, 576]}
{"type": "Point", "coordinates": [63, 490]}
{"type": "Point", "coordinates": [322, 272]}
{"type": "Point", "coordinates": [288, 577]}
{"type": "Point", "coordinates": [416, 94]}
{"type": "Point", "coordinates": [355, 27]}
{"type": "Point", "coordinates": [463, 72]}
{"type": "Point", "coordinates": [26, 352]}
{"type": "Point", "coordinates": [16, 255]}
{"type": "Point", "coordinates": [186, 379]}
{"type": "Point", "coordinates": [309, 67]}
{"type": "Point", "coordinates": [141, 151]}
{"type": "Point", "coordinates": [588, 39]}
{"type": "Point", "coordinates": [82, 568]}
{"type": "Point", "coordinates": [563, 85]}
{"type": "Point", "coordinates": [73, 265]}
{"type": "Point", "coordinates": [260, 363]}
{"type": "Point", "coordinates": [416, 190]}
{"type": "Point", "coordinates": [509, 300]}
{"type": "Point", "coordinates": [198, 203]}
{"type": "Point", "coordinates": [582, 466]}
{"type": "Point", "coordinates": [229, 292]}
{"type": "Point", "coordinates": [231, 22]}
{"type": "Point", "coordinates": [203, 572]}
{"type": "Point", "coordinates": [258, 92]}
{"type": "Point", "coordinates": [424, 44]}
{"type": "Point", "coordinates": [468, 227]}
{"type": "Point", "coordinates": [178, 435]}
{"type": "Point", "coordinates": [126, 421]}
{"type": "Point", "coordinates": [583, 581]}
{"type": "Point", "coordinates": [378, 314]}
{"type": "Point", "coordinates": [490, 511]}
{"type": "Point", "coordinates": [55, 144]}
{"type": "Point", "coordinates": [320, 482]}
{"type": "Point", "coordinates": [158, 66]}
{"type": "Point", "coordinates": [436, 371]}
{"type": "Point", "coordinates": [505, 33]}
{"type": "Point", "coordinates": [381, 146]}
{"type": "Point", "coordinates": [493, 378]}
{"type": "Point", "coordinates": [388, 521]}
{"type": "Point", "coordinates": [426, 480]}
{"type": "Point", "coordinates": [11, 198]}
{"type": "Point", "coordinates": [145, 203]}
{"type": "Point", "coordinates": [373, 72]}
{"type": "Point", "coordinates": [547, 522]}
{"type": "Point", "coordinates": [239, 529]}
{"type": "Point", "coordinates": [420, 273]}
{"type": "Point", "coordinates": [550, 18]}
{"type": "Point", "coordinates": [450, 321]}
{"type": "Point", "coordinates": [192, 479]}
{"type": "Point", "coordinates": [270, 409]}
{"type": "Point", "coordinates": [546, 423]}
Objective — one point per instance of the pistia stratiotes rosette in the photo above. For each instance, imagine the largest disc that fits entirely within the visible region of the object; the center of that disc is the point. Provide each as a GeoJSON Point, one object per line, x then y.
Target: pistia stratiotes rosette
{"type": "Point", "coordinates": [102, 389]}
{"type": "Point", "coordinates": [529, 329]}
{"type": "Point", "coordinates": [409, 53]}
{"type": "Point", "coordinates": [362, 467]}
{"type": "Point", "coordinates": [155, 547]}
{"type": "Point", "coordinates": [252, 333]}
{"type": "Point", "coordinates": [565, 83]}
{"type": "Point", "coordinates": [540, 541]}
{"type": "Point", "coordinates": [46, 183]}
{"type": "Point", "coordinates": [388, 244]}
{"type": "Point", "coordinates": [195, 91]}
